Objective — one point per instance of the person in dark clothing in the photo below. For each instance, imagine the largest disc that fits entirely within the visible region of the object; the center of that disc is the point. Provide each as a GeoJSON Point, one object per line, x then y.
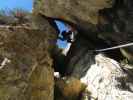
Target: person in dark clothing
{"type": "Point", "coordinates": [67, 36]}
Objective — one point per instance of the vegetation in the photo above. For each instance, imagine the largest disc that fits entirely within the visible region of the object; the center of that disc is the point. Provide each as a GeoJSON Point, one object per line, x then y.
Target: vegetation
{"type": "Point", "coordinates": [15, 16]}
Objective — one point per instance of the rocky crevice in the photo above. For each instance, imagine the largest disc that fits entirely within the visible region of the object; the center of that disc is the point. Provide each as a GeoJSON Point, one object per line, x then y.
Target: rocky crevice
{"type": "Point", "coordinates": [29, 56]}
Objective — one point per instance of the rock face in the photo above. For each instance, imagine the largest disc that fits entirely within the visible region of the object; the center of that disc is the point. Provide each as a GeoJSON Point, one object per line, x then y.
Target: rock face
{"type": "Point", "coordinates": [82, 13]}
{"type": "Point", "coordinates": [25, 53]}
{"type": "Point", "coordinates": [73, 11]}
{"type": "Point", "coordinates": [107, 81]}
{"type": "Point", "coordinates": [80, 57]}
{"type": "Point", "coordinates": [105, 19]}
{"type": "Point", "coordinates": [25, 63]}
{"type": "Point", "coordinates": [68, 88]}
{"type": "Point", "coordinates": [117, 28]}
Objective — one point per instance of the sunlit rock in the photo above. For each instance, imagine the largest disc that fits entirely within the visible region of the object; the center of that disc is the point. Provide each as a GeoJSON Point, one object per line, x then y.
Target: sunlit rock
{"type": "Point", "coordinates": [107, 80]}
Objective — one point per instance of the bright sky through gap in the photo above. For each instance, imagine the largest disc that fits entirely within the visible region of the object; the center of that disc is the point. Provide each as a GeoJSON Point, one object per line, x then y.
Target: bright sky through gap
{"type": "Point", "coordinates": [27, 5]}
{"type": "Point", "coordinates": [11, 4]}
{"type": "Point", "coordinates": [62, 27]}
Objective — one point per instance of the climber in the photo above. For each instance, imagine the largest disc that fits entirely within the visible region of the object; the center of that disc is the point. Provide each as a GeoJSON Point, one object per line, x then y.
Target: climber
{"type": "Point", "coordinates": [67, 36]}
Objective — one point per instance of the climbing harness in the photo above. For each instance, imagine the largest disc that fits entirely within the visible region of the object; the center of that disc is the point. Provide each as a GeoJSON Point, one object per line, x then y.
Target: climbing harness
{"type": "Point", "coordinates": [115, 47]}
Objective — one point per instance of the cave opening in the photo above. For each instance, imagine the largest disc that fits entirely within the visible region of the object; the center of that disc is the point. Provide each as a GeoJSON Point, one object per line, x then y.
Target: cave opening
{"type": "Point", "coordinates": [66, 36]}
{"type": "Point", "coordinates": [63, 45]}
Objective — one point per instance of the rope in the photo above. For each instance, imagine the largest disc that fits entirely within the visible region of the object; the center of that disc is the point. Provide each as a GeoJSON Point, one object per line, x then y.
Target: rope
{"type": "Point", "coordinates": [115, 47]}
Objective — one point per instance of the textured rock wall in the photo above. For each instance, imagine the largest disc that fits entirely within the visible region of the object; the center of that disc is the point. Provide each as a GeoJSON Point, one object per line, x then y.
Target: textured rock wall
{"type": "Point", "coordinates": [82, 13]}
{"type": "Point", "coordinates": [73, 11]}
{"type": "Point", "coordinates": [79, 57]}
{"type": "Point", "coordinates": [68, 88]}
{"type": "Point", "coordinates": [107, 80]}
{"type": "Point", "coordinates": [25, 63]}
{"type": "Point", "coordinates": [100, 23]}
{"type": "Point", "coordinates": [104, 19]}
{"type": "Point", "coordinates": [117, 28]}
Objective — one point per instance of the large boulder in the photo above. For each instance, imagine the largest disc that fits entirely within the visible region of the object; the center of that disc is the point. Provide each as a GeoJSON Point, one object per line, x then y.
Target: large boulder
{"type": "Point", "coordinates": [118, 25]}
{"type": "Point", "coordinates": [68, 88]}
{"type": "Point", "coordinates": [95, 19]}
{"type": "Point", "coordinates": [80, 57]}
{"type": "Point", "coordinates": [80, 12]}
{"type": "Point", "coordinates": [25, 62]}
{"type": "Point", "coordinates": [109, 80]}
